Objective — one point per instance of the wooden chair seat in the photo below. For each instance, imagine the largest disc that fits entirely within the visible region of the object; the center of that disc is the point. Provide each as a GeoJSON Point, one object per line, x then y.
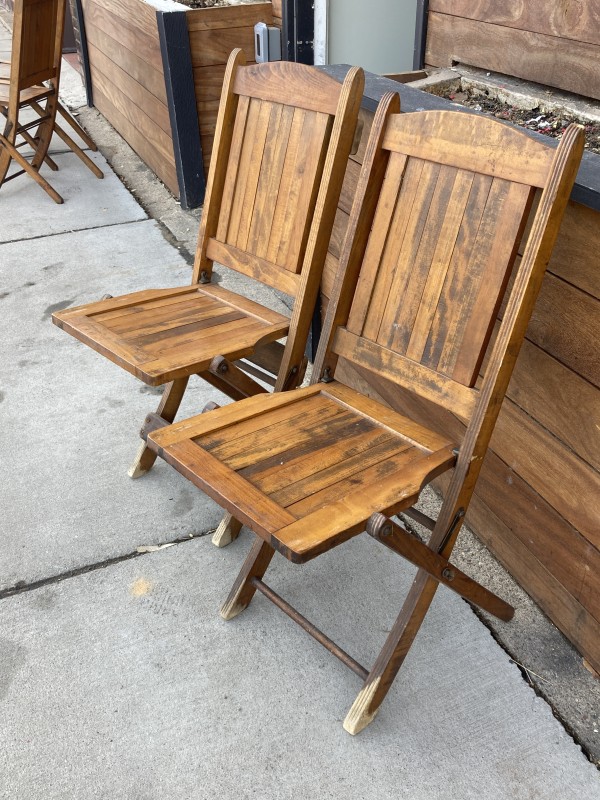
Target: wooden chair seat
{"type": "Point", "coordinates": [160, 335]}
{"type": "Point", "coordinates": [26, 95]}
{"type": "Point", "coordinates": [306, 469]}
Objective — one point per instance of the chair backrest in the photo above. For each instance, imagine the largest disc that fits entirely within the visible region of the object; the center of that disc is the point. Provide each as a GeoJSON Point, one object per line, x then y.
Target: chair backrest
{"type": "Point", "coordinates": [37, 41]}
{"type": "Point", "coordinates": [284, 131]}
{"type": "Point", "coordinates": [427, 285]}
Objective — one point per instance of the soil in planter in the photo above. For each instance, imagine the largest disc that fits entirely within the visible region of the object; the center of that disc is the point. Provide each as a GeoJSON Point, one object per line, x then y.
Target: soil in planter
{"type": "Point", "coordinates": [216, 3]}
{"type": "Point", "coordinates": [551, 123]}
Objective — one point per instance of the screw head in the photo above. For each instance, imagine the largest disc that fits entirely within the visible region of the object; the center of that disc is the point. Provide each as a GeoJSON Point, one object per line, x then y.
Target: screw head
{"type": "Point", "coordinates": [448, 574]}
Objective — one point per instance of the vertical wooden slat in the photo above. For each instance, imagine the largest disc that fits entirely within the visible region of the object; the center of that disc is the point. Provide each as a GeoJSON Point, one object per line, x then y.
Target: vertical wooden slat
{"type": "Point", "coordinates": [309, 188]}
{"type": "Point", "coordinates": [408, 252]}
{"type": "Point", "coordinates": [420, 267]}
{"type": "Point", "coordinates": [386, 207]}
{"type": "Point", "coordinates": [239, 130]}
{"type": "Point", "coordinates": [393, 245]}
{"type": "Point", "coordinates": [268, 182]}
{"type": "Point", "coordinates": [440, 264]}
{"type": "Point", "coordinates": [465, 242]}
{"type": "Point", "coordinates": [243, 169]}
{"type": "Point", "coordinates": [254, 170]}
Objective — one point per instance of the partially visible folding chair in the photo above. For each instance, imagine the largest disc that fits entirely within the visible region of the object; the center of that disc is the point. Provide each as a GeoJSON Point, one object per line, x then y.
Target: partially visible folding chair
{"type": "Point", "coordinates": [441, 207]}
{"type": "Point", "coordinates": [283, 136]}
{"type": "Point", "coordinates": [30, 82]}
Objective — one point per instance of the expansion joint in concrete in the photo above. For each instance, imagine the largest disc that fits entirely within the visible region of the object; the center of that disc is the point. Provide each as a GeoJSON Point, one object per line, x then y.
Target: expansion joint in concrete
{"type": "Point", "coordinates": [22, 586]}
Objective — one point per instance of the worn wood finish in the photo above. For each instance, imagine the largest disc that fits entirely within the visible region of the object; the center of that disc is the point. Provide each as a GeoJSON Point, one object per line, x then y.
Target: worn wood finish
{"type": "Point", "coordinates": [556, 400]}
{"type": "Point", "coordinates": [556, 45]}
{"type": "Point", "coordinates": [423, 270]}
{"type": "Point", "coordinates": [578, 22]}
{"type": "Point", "coordinates": [30, 81]}
{"type": "Point", "coordinates": [263, 188]}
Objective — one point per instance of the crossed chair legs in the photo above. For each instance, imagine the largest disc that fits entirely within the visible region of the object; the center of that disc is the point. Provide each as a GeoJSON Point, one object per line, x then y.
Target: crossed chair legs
{"type": "Point", "coordinates": [434, 568]}
{"type": "Point", "coordinates": [46, 125]}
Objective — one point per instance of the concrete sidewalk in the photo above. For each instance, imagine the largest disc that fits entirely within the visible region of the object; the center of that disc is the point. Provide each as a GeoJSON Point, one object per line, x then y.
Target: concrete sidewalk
{"type": "Point", "coordinates": [118, 678]}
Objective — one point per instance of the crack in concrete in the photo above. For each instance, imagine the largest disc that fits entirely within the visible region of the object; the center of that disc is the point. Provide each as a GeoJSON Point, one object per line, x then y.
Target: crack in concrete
{"type": "Point", "coordinates": [77, 230]}
{"type": "Point", "coordinates": [20, 587]}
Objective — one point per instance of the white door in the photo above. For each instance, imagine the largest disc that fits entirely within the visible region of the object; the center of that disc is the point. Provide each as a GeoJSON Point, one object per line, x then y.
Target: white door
{"type": "Point", "coordinates": [375, 34]}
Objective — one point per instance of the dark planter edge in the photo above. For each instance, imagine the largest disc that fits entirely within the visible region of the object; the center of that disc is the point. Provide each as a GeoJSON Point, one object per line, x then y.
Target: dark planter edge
{"type": "Point", "coordinates": [181, 101]}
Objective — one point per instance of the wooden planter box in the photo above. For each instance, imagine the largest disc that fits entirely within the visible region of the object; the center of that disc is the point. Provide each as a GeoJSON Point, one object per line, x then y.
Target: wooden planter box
{"type": "Point", "coordinates": [537, 501]}
{"type": "Point", "coordinates": [155, 72]}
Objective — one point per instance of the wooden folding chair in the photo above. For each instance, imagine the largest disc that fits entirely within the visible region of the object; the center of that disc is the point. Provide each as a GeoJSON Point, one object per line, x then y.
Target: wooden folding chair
{"type": "Point", "coordinates": [30, 82]}
{"type": "Point", "coordinates": [440, 208]}
{"type": "Point", "coordinates": [283, 136]}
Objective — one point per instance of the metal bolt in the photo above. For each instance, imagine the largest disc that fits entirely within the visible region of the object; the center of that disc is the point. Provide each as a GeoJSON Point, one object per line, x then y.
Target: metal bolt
{"type": "Point", "coordinates": [448, 574]}
{"type": "Point", "coordinates": [386, 529]}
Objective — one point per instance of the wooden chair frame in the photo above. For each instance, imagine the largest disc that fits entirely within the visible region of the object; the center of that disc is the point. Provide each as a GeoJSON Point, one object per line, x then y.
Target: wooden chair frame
{"type": "Point", "coordinates": [440, 208]}
{"type": "Point", "coordinates": [303, 121]}
{"type": "Point", "coordinates": [31, 81]}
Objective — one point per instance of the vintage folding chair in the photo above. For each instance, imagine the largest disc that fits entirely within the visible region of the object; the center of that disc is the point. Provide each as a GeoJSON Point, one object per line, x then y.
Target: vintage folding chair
{"type": "Point", "coordinates": [29, 82]}
{"type": "Point", "coordinates": [440, 209]}
{"type": "Point", "coordinates": [283, 136]}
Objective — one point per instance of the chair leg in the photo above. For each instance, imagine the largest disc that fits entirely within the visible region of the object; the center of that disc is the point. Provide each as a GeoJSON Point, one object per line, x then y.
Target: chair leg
{"type": "Point", "coordinates": [30, 170]}
{"type": "Point", "coordinates": [392, 655]}
{"type": "Point", "coordinates": [72, 144]}
{"type": "Point", "coordinates": [167, 409]}
{"type": "Point", "coordinates": [254, 566]}
{"type": "Point", "coordinates": [77, 127]}
{"type": "Point", "coordinates": [228, 530]}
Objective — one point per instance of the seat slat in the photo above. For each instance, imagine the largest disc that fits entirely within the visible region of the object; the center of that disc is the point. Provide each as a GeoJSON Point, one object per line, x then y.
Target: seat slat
{"type": "Point", "coordinates": [382, 415]}
{"type": "Point", "coordinates": [343, 518]}
{"type": "Point", "coordinates": [202, 424]}
{"type": "Point", "coordinates": [326, 484]}
{"type": "Point", "coordinates": [236, 430]}
{"type": "Point", "coordinates": [141, 320]}
{"type": "Point", "coordinates": [298, 462]}
{"type": "Point", "coordinates": [219, 323]}
{"type": "Point", "coordinates": [227, 488]}
{"type": "Point", "coordinates": [151, 308]}
{"type": "Point", "coordinates": [334, 421]}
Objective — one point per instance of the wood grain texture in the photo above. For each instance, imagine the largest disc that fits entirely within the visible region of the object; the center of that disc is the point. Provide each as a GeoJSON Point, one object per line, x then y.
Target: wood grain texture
{"type": "Point", "coordinates": [128, 80]}
{"type": "Point", "coordinates": [524, 54]}
{"type": "Point", "coordinates": [560, 408]}
{"type": "Point", "coordinates": [579, 22]}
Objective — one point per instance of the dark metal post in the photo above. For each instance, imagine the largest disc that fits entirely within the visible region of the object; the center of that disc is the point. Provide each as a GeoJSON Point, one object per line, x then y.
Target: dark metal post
{"type": "Point", "coordinates": [420, 34]}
